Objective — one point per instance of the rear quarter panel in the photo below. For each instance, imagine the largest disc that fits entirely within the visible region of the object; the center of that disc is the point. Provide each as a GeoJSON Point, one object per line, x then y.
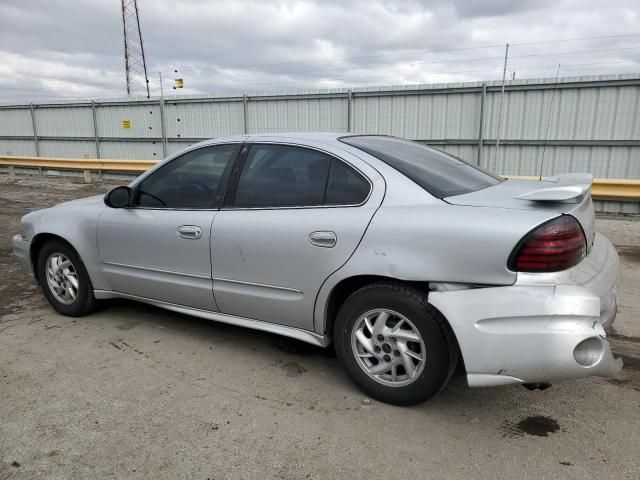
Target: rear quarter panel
{"type": "Point", "coordinates": [437, 242]}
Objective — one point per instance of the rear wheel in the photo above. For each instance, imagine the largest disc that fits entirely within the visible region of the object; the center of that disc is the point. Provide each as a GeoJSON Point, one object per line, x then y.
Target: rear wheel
{"type": "Point", "coordinates": [393, 344]}
{"type": "Point", "coordinates": [64, 279]}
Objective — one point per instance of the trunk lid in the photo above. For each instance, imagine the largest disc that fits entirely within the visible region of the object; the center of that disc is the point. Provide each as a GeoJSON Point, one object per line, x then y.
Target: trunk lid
{"type": "Point", "coordinates": [565, 194]}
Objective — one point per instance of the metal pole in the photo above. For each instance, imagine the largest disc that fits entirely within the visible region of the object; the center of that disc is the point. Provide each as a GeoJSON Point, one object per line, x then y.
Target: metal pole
{"type": "Point", "coordinates": [546, 133]}
{"type": "Point", "coordinates": [350, 111]}
{"type": "Point", "coordinates": [245, 110]}
{"type": "Point", "coordinates": [504, 74]}
{"type": "Point", "coordinates": [481, 123]}
{"type": "Point", "coordinates": [163, 128]}
{"type": "Point", "coordinates": [95, 128]}
{"type": "Point", "coordinates": [35, 129]}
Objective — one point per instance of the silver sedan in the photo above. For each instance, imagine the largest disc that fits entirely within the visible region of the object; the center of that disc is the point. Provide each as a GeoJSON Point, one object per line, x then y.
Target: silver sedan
{"type": "Point", "coordinates": [410, 260]}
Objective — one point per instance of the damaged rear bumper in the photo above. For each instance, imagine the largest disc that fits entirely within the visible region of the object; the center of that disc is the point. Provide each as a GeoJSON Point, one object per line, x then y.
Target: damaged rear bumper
{"type": "Point", "coordinates": [545, 327]}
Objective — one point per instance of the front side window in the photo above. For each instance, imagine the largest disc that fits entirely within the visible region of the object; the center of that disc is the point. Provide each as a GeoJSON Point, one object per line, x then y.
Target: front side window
{"type": "Point", "coordinates": [194, 180]}
{"type": "Point", "coordinates": [288, 176]}
{"type": "Point", "coordinates": [440, 174]}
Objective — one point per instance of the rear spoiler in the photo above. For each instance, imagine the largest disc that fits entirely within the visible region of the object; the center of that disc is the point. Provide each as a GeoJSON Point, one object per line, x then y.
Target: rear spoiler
{"type": "Point", "coordinates": [565, 188]}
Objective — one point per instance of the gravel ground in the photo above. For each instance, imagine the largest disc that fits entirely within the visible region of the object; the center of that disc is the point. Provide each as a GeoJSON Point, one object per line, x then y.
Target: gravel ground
{"type": "Point", "coordinates": [138, 392]}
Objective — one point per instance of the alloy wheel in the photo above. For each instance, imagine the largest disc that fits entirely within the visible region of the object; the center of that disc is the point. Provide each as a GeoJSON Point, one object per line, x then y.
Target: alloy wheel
{"type": "Point", "coordinates": [388, 347]}
{"type": "Point", "coordinates": [62, 278]}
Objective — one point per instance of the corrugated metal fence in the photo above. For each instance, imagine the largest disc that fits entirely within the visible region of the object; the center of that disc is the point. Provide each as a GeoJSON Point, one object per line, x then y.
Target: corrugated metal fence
{"type": "Point", "coordinates": [581, 124]}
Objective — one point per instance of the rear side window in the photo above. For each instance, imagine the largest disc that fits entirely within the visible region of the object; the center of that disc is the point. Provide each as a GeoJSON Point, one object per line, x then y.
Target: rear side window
{"type": "Point", "coordinates": [282, 176]}
{"type": "Point", "coordinates": [289, 176]}
{"type": "Point", "coordinates": [346, 186]}
{"type": "Point", "coordinates": [440, 174]}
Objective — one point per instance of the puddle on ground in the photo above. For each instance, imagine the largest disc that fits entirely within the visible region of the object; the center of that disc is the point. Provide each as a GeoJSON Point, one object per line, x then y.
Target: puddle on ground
{"type": "Point", "coordinates": [293, 369]}
{"type": "Point", "coordinates": [297, 347]}
{"type": "Point", "coordinates": [536, 425]}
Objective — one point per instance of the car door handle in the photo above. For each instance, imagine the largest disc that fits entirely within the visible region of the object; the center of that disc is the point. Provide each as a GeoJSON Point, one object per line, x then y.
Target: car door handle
{"type": "Point", "coordinates": [190, 232]}
{"type": "Point", "coordinates": [323, 239]}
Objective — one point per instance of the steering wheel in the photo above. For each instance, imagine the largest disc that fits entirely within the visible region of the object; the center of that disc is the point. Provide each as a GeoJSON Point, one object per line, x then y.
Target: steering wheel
{"type": "Point", "coordinates": [198, 185]}
{"type": "Point", "coordinates": [158, 199]}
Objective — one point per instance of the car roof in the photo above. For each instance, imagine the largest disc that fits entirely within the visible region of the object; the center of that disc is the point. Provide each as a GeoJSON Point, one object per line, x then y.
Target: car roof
{"type": "Point", "coordinates": [325, 137]}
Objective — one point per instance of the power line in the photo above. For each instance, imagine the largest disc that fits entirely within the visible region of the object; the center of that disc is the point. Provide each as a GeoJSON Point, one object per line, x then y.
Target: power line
{"type": "Point", "coordinates": [101, 76]}
{"type": "Point", "coordinates": [576, 39]}
{"type": "Point", "coordinates": [415, 52]}
{"type": "Point", "coordinates": [423, 74]}
{"type": "Point", "coordinates": [420, 52]}
{"type": "Point", "coordinates": [406, 75]}
{"type": "Point", "coordinates": [430, 62]}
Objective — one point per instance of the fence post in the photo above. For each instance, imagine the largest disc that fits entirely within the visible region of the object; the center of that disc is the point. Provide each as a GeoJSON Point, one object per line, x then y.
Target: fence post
{"type": "Point", "coordinates": [481, 123]}
{"type": "Point", "coordinates": [95, 128]}
{"type": "Point", "coordinates": [245, 110]}
{"type": "Point", "coordinates": [163, 128]}
{"type": "Point", "coordinates": [349, 110]}
{"type": "Point", "coordinates": [35, 129]}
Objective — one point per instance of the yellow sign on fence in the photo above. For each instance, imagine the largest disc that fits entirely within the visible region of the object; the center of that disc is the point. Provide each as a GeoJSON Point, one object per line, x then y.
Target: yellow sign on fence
{"type": "Point", "coordinates": [126, 123]}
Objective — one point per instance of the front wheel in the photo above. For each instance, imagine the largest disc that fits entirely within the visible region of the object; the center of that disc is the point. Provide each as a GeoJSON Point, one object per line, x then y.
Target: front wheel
{"type": "Point", "coordinates": [393, 344]}
{"type": "Point", "coordinates": [64, 279]}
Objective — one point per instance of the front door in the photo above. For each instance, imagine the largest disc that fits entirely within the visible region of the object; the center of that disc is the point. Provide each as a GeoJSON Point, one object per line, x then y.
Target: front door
{"type": "Point", "coordinates": [159, 248]}
{"type": "Point", "coordinates": [296, 217]}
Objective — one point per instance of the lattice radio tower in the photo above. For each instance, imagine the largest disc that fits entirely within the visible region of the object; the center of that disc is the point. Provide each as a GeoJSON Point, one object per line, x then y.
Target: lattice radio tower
{"type": "Point", "coordinates": [134, 62]}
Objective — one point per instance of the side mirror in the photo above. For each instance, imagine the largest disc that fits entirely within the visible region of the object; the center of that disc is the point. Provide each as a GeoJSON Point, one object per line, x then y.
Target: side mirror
{"type": "Point", "coordinates": [119, 197]}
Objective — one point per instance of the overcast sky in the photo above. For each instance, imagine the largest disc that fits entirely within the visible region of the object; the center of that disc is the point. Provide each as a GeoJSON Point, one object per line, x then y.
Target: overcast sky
{"type": "Point", "coordinates": [74, 48]}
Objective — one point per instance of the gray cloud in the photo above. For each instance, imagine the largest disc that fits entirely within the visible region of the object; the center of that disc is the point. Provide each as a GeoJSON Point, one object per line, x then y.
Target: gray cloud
{"type": "Point", "coordinates": [498, 8]}
{"type": "Point", "coordinates": [64, 48]}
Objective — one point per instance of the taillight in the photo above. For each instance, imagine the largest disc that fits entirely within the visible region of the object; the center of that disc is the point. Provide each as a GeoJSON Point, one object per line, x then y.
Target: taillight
{"type": "Point", "coordinates": [555, 245]}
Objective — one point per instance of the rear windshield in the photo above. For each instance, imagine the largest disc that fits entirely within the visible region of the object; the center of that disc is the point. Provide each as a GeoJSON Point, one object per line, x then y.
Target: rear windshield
{"type": "Point", "coordinates": [437, 172]}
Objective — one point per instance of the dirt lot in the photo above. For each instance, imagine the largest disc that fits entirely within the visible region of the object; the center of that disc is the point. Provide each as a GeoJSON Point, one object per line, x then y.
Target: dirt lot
{"type": "Point", "coordinates": [138, 392]}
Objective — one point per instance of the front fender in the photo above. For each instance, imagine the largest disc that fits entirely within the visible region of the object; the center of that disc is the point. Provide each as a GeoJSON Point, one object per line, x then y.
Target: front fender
{"type": "Point", "coordinates": [75, 224]}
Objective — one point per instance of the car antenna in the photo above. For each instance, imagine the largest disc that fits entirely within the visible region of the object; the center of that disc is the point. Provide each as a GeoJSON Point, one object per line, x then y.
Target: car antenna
{"type": "Point", "coordinates": [546, 134]}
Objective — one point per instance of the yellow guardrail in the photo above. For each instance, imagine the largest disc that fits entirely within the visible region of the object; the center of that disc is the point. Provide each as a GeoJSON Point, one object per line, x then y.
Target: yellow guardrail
{"type": "Point", "coordinates": [611, 189]}
{"type": "Point", "coordinates": [607, 188]}
{"type": "Point", "coordinates": [602, 189]}
{"type": "Point", "coordinates": [78, 164]}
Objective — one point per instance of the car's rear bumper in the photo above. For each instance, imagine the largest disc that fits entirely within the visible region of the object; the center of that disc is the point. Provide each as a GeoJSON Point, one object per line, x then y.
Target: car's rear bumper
{"type": "Point", "coordinates": [599, 273]}
{"type": "Point", "coordinates": [543, 328]}
{"type": "Point", "coordinates": [21, 252]}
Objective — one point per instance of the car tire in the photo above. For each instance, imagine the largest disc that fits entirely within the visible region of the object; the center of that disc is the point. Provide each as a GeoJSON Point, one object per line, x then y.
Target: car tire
{"type": "Point", "coordinates": [410, 330]}
{"type": "Point", "coordinates": [67, 289]}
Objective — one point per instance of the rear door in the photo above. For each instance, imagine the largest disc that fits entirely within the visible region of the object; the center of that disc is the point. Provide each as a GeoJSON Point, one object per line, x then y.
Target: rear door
{"type": "Point", "coordinates": [159, 248]}
{"type": "Point", "coordinates": [295, 216]}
